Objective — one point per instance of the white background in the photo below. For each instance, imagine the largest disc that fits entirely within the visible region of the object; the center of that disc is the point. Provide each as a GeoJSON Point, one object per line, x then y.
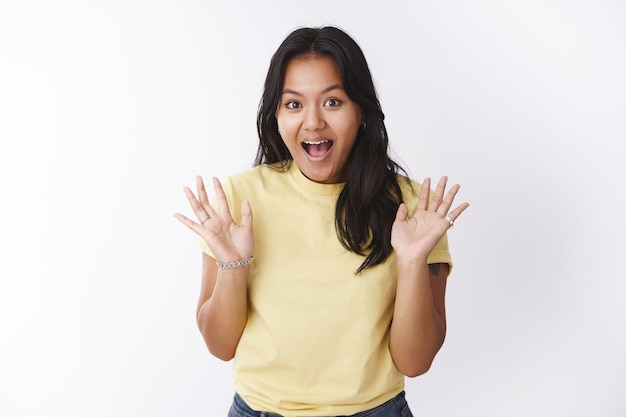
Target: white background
{"type": "Point", "coordinates": [107, 109]}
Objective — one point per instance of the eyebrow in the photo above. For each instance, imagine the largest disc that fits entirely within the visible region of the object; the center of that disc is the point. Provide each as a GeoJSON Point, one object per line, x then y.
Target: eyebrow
{"type": "Point", "coordinates": [324, 91]}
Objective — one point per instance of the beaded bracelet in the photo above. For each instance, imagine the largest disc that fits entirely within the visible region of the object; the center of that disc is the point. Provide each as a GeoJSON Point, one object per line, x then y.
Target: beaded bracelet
{"type": "Point", "coordinates": [234, 264]}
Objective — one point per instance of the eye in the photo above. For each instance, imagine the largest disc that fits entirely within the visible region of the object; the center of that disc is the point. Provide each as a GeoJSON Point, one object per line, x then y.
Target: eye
{"type": "Point", "coordinates": [332, 102]}
{"type": "Point", "coordinates": [293, 105]}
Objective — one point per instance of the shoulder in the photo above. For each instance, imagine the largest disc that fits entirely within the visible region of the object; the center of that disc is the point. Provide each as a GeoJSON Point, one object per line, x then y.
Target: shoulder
{"type": "Point", "coordinates": [259, 172]}
{"type": "Point", "coordinates": [255, 181]}
{"type": "Point", "coordinates": [257, 175]}
{"type": "Point", "coordinates": [410, 189]}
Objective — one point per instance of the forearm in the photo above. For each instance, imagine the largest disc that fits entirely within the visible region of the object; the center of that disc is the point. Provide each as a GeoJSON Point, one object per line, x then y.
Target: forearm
{"type": "Point", "coordinates": [418, 329]}
{"type": "Point", "coordinates": [222, 317]}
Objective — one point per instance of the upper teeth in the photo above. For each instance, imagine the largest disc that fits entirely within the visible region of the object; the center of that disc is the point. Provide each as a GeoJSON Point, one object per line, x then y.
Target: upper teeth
{"type": "Point", "coordinates": [315, 143]}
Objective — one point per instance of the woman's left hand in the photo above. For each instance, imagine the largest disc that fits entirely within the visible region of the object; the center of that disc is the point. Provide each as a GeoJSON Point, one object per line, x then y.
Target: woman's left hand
{"type": "Point", "coordinates": [413, 238]}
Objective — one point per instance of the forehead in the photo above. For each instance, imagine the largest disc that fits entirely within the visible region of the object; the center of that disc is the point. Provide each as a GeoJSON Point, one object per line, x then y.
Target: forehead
{"type": "Point", "coordinates": [310, 71]}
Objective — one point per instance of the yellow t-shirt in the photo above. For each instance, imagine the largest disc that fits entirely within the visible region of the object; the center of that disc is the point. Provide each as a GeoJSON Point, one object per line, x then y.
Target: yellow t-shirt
{"type": "Point", "coordinates": [317, 338]}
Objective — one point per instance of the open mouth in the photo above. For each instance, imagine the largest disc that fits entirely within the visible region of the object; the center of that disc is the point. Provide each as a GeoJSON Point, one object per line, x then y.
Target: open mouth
{"type": "Point", "coordinates": [317, 149]}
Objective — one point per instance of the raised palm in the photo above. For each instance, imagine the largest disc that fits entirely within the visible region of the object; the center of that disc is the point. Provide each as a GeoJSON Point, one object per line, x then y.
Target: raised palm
{"type": "Point", "coordinates": [413, 238]}
{"type": "Point", "coordinates": [227, 240]}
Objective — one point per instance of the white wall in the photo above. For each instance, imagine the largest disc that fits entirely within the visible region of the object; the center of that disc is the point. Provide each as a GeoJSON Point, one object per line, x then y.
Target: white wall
{"type": "Point", "coordinates": [107, 109]}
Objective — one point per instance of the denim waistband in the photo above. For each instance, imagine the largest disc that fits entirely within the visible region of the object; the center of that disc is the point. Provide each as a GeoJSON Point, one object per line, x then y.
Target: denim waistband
{"type": "Point", "coordinates": [395, 407]}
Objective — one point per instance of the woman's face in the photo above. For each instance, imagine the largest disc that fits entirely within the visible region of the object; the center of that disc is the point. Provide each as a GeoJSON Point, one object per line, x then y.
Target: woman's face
{"type": "Point", "coordinates": [316, 119]}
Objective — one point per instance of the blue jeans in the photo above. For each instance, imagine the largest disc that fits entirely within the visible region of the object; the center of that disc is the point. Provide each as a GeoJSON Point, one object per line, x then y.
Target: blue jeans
{"type": "Point", "coordinates": [395, 407]}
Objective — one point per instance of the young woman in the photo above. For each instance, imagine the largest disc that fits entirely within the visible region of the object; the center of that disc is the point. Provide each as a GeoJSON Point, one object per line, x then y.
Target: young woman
{"type": "Point", "coordinates": [334, 291]}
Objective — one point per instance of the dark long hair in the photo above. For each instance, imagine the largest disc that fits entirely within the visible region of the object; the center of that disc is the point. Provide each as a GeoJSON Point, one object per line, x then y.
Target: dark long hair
{"type": "Point", "coordinates": [367, 205]}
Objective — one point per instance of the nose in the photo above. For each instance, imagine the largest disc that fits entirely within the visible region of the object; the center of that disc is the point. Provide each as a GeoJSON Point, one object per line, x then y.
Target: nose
{"type": "Point", "coordinates": [313, 119]}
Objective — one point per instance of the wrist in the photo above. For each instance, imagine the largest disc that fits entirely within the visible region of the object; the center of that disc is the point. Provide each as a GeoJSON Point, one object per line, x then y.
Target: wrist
{"type": "Point", "coordinates": [234, 264]}
{"type": "Point", "coordinates": [411, 261]}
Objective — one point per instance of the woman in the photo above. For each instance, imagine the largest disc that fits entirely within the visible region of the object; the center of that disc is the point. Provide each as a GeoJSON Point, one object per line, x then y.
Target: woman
{"type": "Point", "coordinates": [303, 295]}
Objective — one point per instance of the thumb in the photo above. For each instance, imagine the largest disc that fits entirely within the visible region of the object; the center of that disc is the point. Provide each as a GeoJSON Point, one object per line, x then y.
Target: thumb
{"type": "Point", "coordinates": [402, 213]}
{"type": "Point", "coordinates": [246, 214]}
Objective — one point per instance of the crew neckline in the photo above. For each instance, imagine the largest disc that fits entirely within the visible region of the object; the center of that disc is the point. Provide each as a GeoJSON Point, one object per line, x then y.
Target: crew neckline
{"type": "Point", "coordinates": [312, 186]}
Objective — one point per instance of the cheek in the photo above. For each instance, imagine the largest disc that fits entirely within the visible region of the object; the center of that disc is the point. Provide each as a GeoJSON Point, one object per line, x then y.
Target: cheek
{"type": "Point", "coordinates": [287, 128]}
{"type": "Point", "coordinates": [285, 131]}
{"type": "Point", "coordinates": [350, 123]}
{"type": "Point", "coordinates": [351, 130]}
{"type": "Point", "coordinates": [280, 121]}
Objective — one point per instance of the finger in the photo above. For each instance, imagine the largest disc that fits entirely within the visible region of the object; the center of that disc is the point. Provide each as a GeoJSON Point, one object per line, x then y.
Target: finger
{"type": "Point", "coordinates": [454, 214]}
{"type": "Point", "coordinates": [422, 203]}
{"type": "Point", "coordinates": [201, 189]}
{"type": "Point", "coordinates": [189, 223]}
{"type": "Point", "coordinates": [195, 204]}
{"type": "Point", "coordinates": [402, 213]}
{"type": "Point", "coordinates": [246, 214]}
{"type": "Point", "coordinates": [448, 200]}
{"type": "Point", "coordinates": [437, 199]}
{"type": "Point", "coordinates": [222, 202]}
{"type": "Point", "coordinates": [204, 199]}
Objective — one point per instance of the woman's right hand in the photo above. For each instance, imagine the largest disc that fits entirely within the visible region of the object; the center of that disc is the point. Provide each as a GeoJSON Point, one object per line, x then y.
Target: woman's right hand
{"type": "Point", "coordinates": [228, 240]}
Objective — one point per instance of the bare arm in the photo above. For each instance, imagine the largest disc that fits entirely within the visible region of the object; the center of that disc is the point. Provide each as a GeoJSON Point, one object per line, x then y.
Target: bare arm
{"type": "Point", "coordinates": [222, 311]}
{"type": "Point", "coordinates": [419, 321]}
{"type": "Point", "coordinates": [418, 328]}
